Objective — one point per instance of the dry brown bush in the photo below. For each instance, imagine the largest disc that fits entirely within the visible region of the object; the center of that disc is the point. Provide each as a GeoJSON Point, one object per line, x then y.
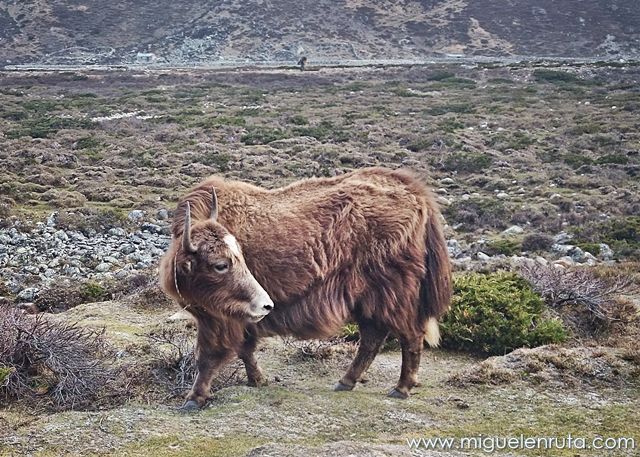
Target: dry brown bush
{"type": "Point", "coordinates": [598, 293]}
{"type": "Point", "coordinates": [53, 364]}
{"type": "Point", "coordinates": [173, 362]}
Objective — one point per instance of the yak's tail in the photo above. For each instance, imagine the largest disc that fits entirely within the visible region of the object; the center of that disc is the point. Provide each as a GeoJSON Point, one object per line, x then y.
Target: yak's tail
{"type": "Point", "coordinates": [436, 286]}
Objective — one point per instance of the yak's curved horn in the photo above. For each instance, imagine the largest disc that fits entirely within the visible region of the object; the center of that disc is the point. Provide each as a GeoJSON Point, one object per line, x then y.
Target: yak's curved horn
{"type": "Point", "coordinates": [187, 245]}
{"type": "Point", "coordinates": [214, 205]}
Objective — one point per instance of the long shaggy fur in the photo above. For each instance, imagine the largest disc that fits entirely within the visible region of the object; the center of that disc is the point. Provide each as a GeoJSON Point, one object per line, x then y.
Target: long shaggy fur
{"type": "Point", "coordinates": [363, 246]}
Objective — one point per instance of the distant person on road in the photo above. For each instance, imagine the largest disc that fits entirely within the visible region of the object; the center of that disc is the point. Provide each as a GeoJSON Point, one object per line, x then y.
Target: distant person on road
{"type": "Point", "coordinates": [302, 62]}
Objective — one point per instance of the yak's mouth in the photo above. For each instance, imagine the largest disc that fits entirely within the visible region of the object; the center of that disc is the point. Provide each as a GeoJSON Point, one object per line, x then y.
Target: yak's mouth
{"type": "Point", "coordinates": [257, 318]}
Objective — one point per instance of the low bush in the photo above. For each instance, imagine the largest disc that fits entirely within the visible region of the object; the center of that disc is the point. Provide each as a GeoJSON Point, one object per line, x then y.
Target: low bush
{"type": "Point", "coordinates": [583, 287]}
{"type": "Point", "coordinates": [467, 162]}
{"type": "Point", "coordinates": [497, 313]}
{"type": "Point", "coordinates": [53, 364]}
{"type": "Point", "coordinates": [61, 296]}
{"type": "Point", "coordinates": [173, 361]}
{"type": "Point", "coordinates": [536, 242]}
{"type": "Point", "coordinates": [502, 246]}
{"type": "Point", "coordinates": [477, 212]}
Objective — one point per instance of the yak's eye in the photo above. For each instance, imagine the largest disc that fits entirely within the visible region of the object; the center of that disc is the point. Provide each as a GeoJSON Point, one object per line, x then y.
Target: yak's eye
{"type": "Point", "coordinates": [221, 267]}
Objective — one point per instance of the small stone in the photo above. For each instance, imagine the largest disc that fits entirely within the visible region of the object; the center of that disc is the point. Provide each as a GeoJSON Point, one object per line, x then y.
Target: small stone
{"type": "Point", "coordinates": [103, 267]}
{"type": "Point", "coordinates": [454, 248]}
{"type": "Point", "coordinates": [127, 248]}
{"type": "Point", "coordinates": [482, 256]}
{"type": "Point", "coordinates": [513, 230]}
{"type": "Point", "coordinates": [447, 181]}
{"type": "Point", "coordinates": [565, 261]}
{"type": "Point", "coordinates": [577, 254]}
{"type": "Point", "coordinates": [443, 201]}
{"type": "Point", "coordinates": [162, 214]}
{"type": "Point", "coordinates": [135, 215]}
{"type": "Point", "coordinates": [28, 294]}
{"type": "Point", "coordinates": [606, 253]}
{"type": "Point", "coordinates": [442, 191]}
{"type": "Point", "coordinates": [152, 228]}
{"type": "Point", "coordinates": [562, 238]}
{"type": "Point", "coordinates": [52, 219]}
{"type": "Point", "coordinates": [117, 231]}
{"type": "Point", "coordinates": [502, 195]}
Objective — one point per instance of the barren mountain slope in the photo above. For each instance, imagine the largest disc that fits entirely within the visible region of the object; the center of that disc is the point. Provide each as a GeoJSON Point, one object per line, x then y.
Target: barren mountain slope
{"type": "Point", "coordinates": [189, 31]}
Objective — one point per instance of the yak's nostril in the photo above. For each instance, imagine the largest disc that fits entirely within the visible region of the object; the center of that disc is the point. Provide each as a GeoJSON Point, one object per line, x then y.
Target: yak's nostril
{"type": "Point", "coordinates": [268, 307]}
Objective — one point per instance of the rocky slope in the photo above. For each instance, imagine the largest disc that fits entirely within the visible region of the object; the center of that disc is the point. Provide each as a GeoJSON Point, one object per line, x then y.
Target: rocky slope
{"type": "Point", "coordinates": [190, 32]}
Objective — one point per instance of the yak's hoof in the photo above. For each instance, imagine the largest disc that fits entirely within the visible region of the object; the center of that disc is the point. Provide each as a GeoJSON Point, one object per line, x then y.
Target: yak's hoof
{"type": "Point", "coordinates": [189, 406]}
{"type": "Point", "coordinates": [342, 387]}
{"type": "Point", "coordinates": [395, 393]}
{"type": "Point", "coordinates": [257, 382]}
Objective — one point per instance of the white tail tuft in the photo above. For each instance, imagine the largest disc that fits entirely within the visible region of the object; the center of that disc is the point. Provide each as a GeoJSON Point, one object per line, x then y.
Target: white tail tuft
{"type": "Point", "coordinates": [432, 332]}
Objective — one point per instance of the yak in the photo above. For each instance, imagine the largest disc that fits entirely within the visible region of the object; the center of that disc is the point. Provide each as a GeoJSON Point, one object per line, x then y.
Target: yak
{"type": "Point", "coordinates": [303, 260]}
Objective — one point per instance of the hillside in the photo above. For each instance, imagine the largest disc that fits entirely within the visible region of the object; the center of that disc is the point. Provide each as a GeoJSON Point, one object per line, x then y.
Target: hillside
{"type": "Point", "coordinates": [192, 32]}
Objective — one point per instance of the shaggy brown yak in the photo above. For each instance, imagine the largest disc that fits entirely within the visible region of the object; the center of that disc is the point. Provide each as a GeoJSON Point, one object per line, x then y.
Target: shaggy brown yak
{"type": "Point", "coordinates": [303, 260]}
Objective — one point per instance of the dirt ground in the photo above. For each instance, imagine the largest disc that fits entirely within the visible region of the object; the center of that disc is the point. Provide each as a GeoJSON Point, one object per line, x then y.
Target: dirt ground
{"type": "Point", "coordinates": [299, 414]}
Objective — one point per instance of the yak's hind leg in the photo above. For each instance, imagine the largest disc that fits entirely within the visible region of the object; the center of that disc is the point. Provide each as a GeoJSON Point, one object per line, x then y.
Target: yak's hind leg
{"type": "Point", "coordinates": [411, 351]}
{"type": "Point", "coordinates": [255, 378]}
{"type": "Point", "coordinates": [372, 337]}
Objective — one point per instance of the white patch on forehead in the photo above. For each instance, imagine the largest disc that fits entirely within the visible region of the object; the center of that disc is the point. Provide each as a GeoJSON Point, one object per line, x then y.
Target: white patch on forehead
{"type": "Point", "coordinates": [233, 244]}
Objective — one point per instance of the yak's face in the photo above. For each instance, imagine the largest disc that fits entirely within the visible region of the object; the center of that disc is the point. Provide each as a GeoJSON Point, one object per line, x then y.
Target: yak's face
{"type": "Point", "coordinates": [211, 271]}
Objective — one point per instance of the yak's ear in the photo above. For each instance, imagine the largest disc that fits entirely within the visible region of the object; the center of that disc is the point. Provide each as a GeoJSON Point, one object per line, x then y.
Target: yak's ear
{"type": "Point", "coordinates": [214, 205]}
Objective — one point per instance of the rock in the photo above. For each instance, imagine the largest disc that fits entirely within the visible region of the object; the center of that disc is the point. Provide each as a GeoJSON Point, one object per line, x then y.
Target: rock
{"type": "Point", "coordinates": [28, 294]}
{"type": "Point", "coordinates": [513, 230]}
{"type": "Point", "coordinates": [162, 214]}
{"type": "Point", "coordinates": [502, 195]}
{"type": "Point", "coordinates": [135, 215]}
{"type": "Point", "coordinates": [443, 201]}
{"type": "Point", "coordinates": [447, 181]}
{"type": "Point", "coordinates": [565, 262]}
{"type": "Point", "coordinates": [127, 248]}
{"type": "Point", "coordinates": [606, 253]}
{"type": "Point", "coordinates": [117, 231]}
{"type": "Point", "coordinates": [542, 261]}
{"type": "Point", "coordinates": [577, 254]}
{"type": "Point", "coordinates": [454, 248]}
{"type": "Point", "coordinates": [103, 267]}
{"type": "Point", "coordinates": [52, 219]}
{"type": "Point", "coordinates": [482, 256]}
{"type": "Point", "coordinates": [562, 238]}
{"type": "Point", "coordinates": [442, 191]}
{"type": "Point", "coordinates": [561, 248]}
{"type": "Point", "coordinates": [152, 228]}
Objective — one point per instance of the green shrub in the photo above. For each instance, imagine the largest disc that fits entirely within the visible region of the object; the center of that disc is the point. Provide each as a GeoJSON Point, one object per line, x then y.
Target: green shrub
{"type": "Point", "coordinates": [502, 246]}
{"type": "Point", "coordinates": [298, 119]}
{"type": "Point", "coordinates": [88, 142]}
{"type": "Point", "coordinates": [324, 131]}
{"type": "Point", "coordinates": [497, 313]}
{"type": "Point", "coordinates": [478, 212]}
{"type": "Point", "coordinates": [218, 159]}
{"type": "Point", "coordinates": [467, 162]}
{"type": "Point", "coordinates": [262, 135]}
{"type": "Point", "coordinates": [537, 242]}
{"type": "Point", "coordinates": [622, 235]}
{"type": "Point", "coordinates": [44, 127]}
{"type": "Point", "coordinates": [555, 76]}
{"type": "Point", "coordinates": [619, 159]}
{"type": "Point", "coordinates": [451, 108]}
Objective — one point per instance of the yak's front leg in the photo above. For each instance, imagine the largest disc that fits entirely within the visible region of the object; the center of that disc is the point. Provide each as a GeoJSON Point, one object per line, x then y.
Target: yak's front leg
{"type": "Point", "coordinates": [255, 377]}
{"type": "Point", "coordinates": [208, 365]}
